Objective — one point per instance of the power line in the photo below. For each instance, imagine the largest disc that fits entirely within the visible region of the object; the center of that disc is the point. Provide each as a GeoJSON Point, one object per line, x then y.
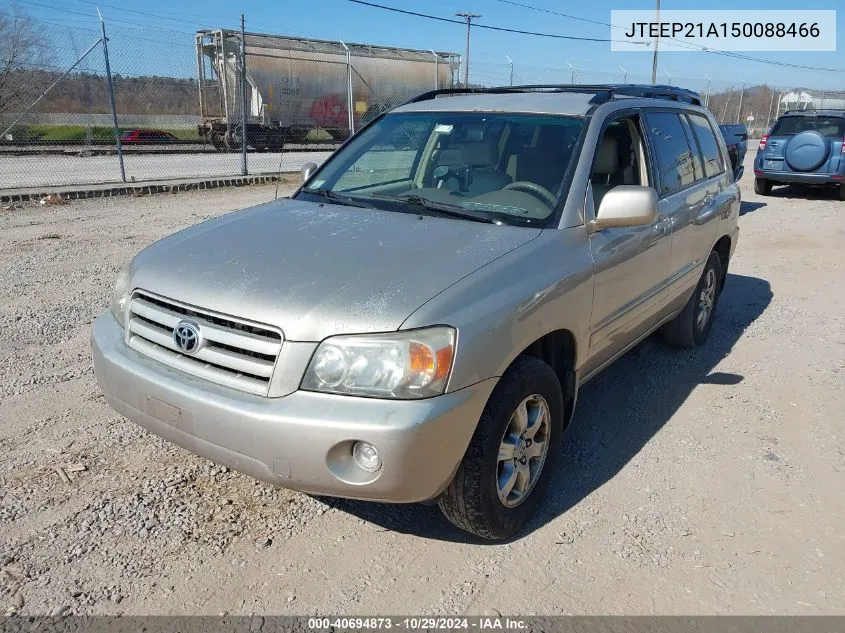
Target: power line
{"type": "Point", "coordinates": [563, 15]}
{"type": "Point", "coordinates": [487, 26]}
{"type": "Point", "coordinates": [196, 24]}
{"type": "Point", "coordinates": [90, 16]}
{"type": "Point", "coordinates": [155, 16]}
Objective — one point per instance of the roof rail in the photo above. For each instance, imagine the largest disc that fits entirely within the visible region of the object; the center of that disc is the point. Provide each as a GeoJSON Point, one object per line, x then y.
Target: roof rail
{"type": "Point", "coordinates": [816, 110]}
{"type": "Point", "coordinates": [603, 92]}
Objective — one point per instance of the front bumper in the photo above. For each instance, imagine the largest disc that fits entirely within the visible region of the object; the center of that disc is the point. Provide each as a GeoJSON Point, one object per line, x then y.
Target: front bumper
{"type": "Point", "coordinates": [302, 441]}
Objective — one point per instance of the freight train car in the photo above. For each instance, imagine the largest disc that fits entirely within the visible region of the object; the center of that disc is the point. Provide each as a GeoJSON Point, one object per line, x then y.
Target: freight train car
{"type": "Point", "coordinates": [296, 85]}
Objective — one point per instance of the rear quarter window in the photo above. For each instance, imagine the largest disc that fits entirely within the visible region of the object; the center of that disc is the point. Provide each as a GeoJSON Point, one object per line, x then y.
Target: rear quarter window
{"type": "Point", "coordinates": [713, 165]}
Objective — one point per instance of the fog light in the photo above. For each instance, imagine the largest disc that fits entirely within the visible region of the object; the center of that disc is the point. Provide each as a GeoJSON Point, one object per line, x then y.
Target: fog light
{"type": "Point", "coordinates": [366, 456]}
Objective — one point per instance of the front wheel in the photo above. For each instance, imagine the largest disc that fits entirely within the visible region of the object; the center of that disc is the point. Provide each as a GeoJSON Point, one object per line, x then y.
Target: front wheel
{"type": "Point", "coordinates": [505, 472]}
{"type": "Point", "coordinates": [762, 187]}
{"type": "Point", "coordinates": [692, 326]}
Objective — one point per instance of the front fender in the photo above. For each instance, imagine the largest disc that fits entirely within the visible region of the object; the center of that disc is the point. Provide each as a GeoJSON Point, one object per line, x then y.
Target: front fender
{"type": "Point", "coordinates": [502, 308]}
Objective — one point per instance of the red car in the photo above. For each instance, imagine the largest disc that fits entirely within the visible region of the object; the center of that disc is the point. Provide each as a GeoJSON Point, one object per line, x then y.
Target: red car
{"type": "Point", "coordinates": [147, 136]}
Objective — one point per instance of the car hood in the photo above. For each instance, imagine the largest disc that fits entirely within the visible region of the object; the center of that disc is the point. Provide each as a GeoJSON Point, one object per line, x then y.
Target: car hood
{"type": "Point", "coordinates": [315, 270]}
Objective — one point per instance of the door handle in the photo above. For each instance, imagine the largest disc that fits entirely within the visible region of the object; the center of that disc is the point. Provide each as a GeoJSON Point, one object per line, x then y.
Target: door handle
{"type": "Point", "coordinates": [663, 225]}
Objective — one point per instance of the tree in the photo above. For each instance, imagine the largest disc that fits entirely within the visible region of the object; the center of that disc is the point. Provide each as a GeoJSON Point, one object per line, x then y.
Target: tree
{"type": "Point", "coordinates": [24, 47]}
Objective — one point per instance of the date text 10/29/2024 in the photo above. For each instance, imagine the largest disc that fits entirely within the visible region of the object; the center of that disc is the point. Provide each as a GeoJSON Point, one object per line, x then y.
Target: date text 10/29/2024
{"type": "Point", "coordinates": [422, 623]}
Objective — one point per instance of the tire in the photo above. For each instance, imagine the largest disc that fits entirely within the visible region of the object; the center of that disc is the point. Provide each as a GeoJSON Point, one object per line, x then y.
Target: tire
{"type": "Point", "coordinates": [687, 329]}
{"type": "Point", "coordinates": [842, 191]}
{"type": "Point", "coordinates": [472, 500]}
{"type": "Point", "coordinates": [762, 186]}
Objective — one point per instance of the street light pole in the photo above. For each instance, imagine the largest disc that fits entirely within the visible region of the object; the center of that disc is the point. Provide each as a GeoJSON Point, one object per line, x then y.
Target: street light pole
{"type": "Point", "coordinates": [624, 74]}
{"type": "Point", "coordinates": [469, 17]}
{"type": "Point", "coordinates": [656, 44]}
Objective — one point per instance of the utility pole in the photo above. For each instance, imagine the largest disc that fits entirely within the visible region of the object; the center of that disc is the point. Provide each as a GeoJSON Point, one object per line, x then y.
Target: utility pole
{"type": "Point", "coordinates": [769, 111]}
{"type": "Point", "coordinates": [739, 109]}
{"type": "Point", "coordinates": [469, 17]}
{"type": "Point", "coordinates": [707, 97]}
{"type": "Point", "coordinates": [724, 118]}
{"type": "Point", "coordinates": [656, 44]}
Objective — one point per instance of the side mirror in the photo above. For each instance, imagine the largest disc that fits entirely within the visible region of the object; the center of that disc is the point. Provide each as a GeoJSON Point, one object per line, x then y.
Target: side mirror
{"type": "Point", "coordinates": [306, 171]}
{"type": "Point", "coordinates": [626, 205]}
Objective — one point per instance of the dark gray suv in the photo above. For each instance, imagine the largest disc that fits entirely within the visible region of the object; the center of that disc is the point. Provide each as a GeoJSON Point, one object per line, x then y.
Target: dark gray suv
{"type": "Point", "coordinates": [803, 147]}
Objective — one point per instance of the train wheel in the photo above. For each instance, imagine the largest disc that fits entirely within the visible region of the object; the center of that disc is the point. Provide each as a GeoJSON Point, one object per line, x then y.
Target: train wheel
{"type": "Point", "coordinates": [218, 142]}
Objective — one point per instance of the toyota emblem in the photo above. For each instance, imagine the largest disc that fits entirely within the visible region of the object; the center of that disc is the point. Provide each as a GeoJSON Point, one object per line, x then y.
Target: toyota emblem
{"type": "Point", "coordinates": [187, 337]}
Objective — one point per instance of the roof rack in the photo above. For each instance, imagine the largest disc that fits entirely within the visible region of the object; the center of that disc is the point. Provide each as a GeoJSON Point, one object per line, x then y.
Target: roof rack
{"type": "Point", "coordinates": [602, 92]}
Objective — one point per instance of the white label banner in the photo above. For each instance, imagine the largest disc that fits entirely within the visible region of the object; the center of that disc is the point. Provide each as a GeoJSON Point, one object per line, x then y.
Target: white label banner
{"type": "Point", "coordinates": [723, 30]}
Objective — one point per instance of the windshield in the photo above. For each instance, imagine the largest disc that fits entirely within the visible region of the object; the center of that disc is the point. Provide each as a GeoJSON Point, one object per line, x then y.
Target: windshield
{"type": "Point", "coordinates": [830, 126]}
{"type": "Point", "coordinates": [505, 168]}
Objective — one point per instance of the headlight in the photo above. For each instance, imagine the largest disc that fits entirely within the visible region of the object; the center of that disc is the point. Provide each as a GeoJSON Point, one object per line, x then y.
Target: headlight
{"type": "Point", "coordinates": [120, 296]}
{"type": "Point", "coordinates": [402, 365]}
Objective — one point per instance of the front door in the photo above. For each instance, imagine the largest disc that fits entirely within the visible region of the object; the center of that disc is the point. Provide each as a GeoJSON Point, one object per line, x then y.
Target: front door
{"type": "Point", "coordinates": [631, 264]}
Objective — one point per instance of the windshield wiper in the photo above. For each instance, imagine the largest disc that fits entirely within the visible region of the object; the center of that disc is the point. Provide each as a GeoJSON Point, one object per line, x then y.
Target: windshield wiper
{"type": "Point", "coordinates": [443, 208]}
{"type": "Point", "coordinates": [338, 198]}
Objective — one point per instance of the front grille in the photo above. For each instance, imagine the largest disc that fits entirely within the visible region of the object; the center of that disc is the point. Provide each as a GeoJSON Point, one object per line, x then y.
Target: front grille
{"type": "Point", "coordinates": [234, 353]}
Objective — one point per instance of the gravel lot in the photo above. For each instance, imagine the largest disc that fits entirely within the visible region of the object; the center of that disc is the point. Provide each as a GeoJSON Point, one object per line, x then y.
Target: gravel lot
{"type": "Point", "coordinates": [706, 482]}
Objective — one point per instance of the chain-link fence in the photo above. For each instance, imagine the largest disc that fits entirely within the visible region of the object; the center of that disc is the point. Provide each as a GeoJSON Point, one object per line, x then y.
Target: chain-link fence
{"type": "Point", "coordinates": [185, 101]}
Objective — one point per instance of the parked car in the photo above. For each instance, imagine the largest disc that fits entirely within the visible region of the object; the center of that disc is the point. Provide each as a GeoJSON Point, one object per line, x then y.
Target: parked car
{"type": "Point", "coordinates": [415, 322]}
{"type": "Point", "coordinates": [736, 140]}
{"type": "Point", "coordinates": [147, 136]}
{"type": "Point", "coordinates": [803, 147]}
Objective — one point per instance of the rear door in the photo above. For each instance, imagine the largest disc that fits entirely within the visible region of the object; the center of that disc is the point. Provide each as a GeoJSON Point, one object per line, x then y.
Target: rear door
{"type": "Point", "coordinates": [788, 148]}
{"type": "Point", "coordinates": [687, 196]}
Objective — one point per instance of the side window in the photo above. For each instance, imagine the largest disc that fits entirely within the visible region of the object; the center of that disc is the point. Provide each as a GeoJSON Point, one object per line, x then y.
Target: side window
{"type": "Point", "coordinates": [713, 165]}
{"type": "Point", "coordinates": [697, 161]}
{"type": "Point", "coordinates": [618, 159]}
{"type": "Point", "coordinates": [672, 151]}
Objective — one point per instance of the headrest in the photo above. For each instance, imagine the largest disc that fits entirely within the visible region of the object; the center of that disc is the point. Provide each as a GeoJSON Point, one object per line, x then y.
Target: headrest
{"type": "Point", "coordinates": [607, 157]}
{"type": "Point", "coordinates": [479, 154]}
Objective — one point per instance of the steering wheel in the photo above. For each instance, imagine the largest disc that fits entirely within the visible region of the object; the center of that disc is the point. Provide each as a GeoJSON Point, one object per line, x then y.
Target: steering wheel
{"type": "Point", "coordinates": [533, 188]}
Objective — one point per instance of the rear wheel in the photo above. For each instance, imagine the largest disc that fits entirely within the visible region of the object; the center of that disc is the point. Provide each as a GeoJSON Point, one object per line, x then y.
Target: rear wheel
{"type": "Point", "coordinates": [762, 186]}
{"type": "Point", "coordinates": [505, 472]}
{"type": "Point", "coordinates": [842, 191]}
{"type": "Point", "coordinates": [692, 326]}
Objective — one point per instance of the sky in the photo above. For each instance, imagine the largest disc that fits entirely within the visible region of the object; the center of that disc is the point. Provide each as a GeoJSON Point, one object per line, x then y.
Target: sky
{"type": "Point", "coordinates": [166, 20]}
